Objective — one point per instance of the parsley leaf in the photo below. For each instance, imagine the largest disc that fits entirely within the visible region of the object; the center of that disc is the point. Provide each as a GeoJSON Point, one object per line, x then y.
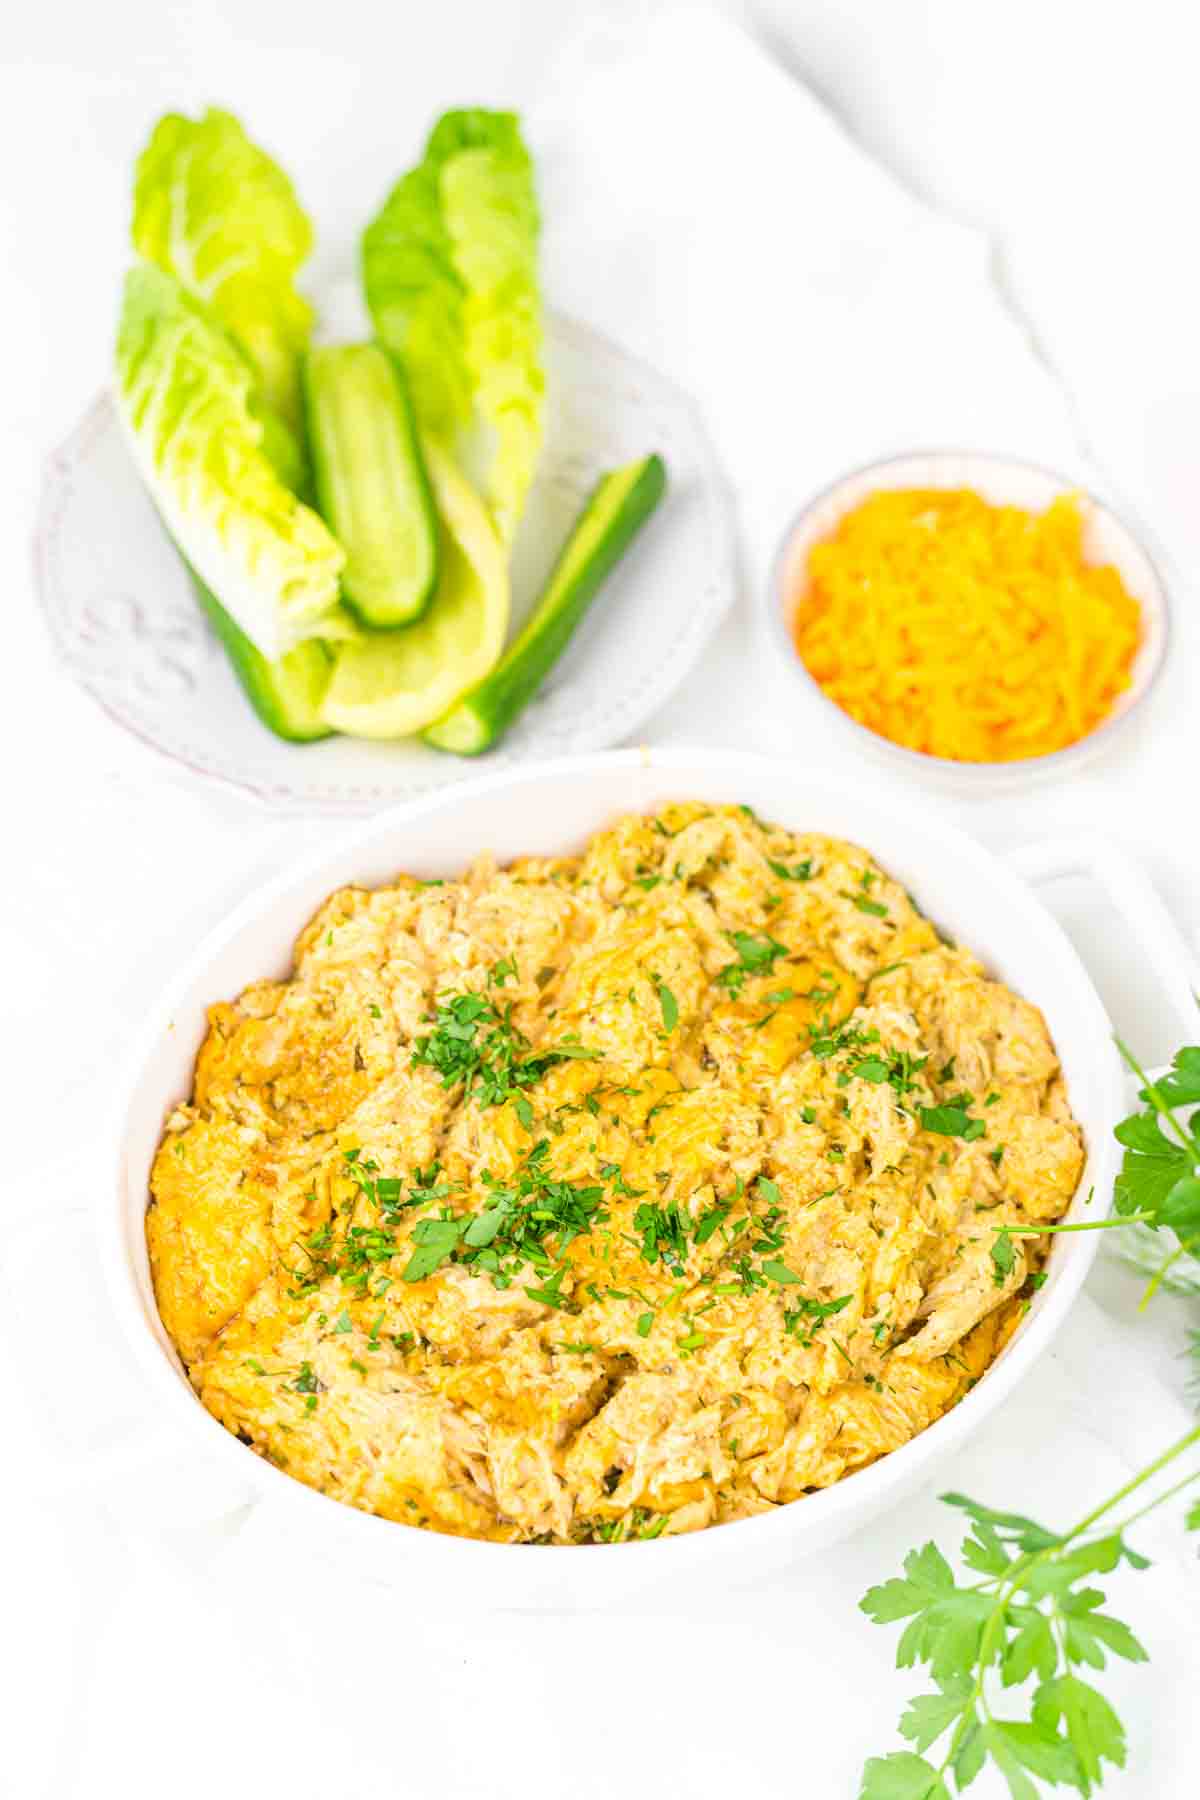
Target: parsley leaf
{"type": "Point", "coordinates": [1003, 1256]}
{"type": "Point", "coordinates": [670, 1007]}
{"type": "Point", "coordinates": [663, 1231]}
{"type": "Point", "coordinates": [756, 955]}
{"type": "Point", "coordinates": [952, 1120]}
{"type": "Point", "coordinates": [806, 1318]}
{"type": "Point", "coordinates": [901, 1776]}
{"type": "Point", "coordinates": [436, 1241]}
{"type": "Point", "coordinates": [1158, 1177]}
{"type": "Point", "coordinates": [801, 871]}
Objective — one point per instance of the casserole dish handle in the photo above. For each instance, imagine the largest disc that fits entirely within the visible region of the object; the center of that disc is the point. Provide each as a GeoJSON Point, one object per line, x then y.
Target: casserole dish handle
{"type": "Point", "coordinates": [1160, 943]}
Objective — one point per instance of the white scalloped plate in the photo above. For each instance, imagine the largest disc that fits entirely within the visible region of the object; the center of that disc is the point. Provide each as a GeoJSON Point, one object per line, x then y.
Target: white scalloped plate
{"type": "Point", "coordinates": [120, 610]}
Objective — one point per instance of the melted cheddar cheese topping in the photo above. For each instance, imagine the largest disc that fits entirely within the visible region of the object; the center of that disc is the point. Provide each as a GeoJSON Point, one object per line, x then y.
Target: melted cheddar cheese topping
{"type": "Point", "coordinates": [612, 1194]}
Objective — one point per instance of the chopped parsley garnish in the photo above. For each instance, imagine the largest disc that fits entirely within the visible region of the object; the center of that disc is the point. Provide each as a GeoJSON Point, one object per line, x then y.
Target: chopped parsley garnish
{"type": "Point", "coordinates": [862, 899]}
{"type": "Point", "coordinates": [801, 871]}
{"type": "Point", "coordinates": [826, 1039]}
{"type": "Point", "coordinates": [436, 1241]}
{"type": "Point", "coordinates": [1003, 1257]}
{"type": "Point", "coordinates": [477, 1043]}
{"type": "Point", "coordinates": [807, 1317]}
{"type": "Point", "coordinates": [669, 1005]}
{"type": "Point", "coordinates": [952, 1119]}
{"type": "Point", "coordinates": [664, 1232]}
{"type": "Point", "coordinates": [871, 1068]}
{"type": "Point", "coordinates": [898, 1067]}
{"type": "Point", "coordinates": [611, 1172]}
{"type": "Point", "coordinates": [708, 1222]}
{"type": "Point", "coordinates": [548, 1293]}
{"type": "Point", "coordinates": [639, 1523]}
{"type": "Point", "coordinates": [756, 955]}
{"type": "Point", "coordinates": [529, 1222]}
{"type": "Point", "coordinates": [363, 1247]}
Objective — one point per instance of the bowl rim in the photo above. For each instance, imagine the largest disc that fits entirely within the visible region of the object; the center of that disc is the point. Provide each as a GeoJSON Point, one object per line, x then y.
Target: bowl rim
{"type": "Point", "coordinates": [857, 1495]}
{"type": "Point", "coordinates": [922, 762]}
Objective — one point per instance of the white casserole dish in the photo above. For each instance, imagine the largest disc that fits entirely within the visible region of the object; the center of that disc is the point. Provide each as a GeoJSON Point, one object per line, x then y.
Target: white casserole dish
{"type": "Point", "coordinates": [968, 892]}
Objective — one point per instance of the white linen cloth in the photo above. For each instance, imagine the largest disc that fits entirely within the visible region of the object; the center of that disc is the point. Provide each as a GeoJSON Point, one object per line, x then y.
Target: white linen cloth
{"type": "Point", "coordinates": [701, 207]}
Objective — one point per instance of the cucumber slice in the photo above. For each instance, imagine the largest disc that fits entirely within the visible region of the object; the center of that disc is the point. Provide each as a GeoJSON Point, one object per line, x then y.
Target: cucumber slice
{"type": "Point", "coordinates": [286, 694]}
{"type": "Point", "coordinates": [370, 479]}
{"type": "Point", "coordinates": [617, 508]}
{"type": "Point", "coordinates": [393, 683]}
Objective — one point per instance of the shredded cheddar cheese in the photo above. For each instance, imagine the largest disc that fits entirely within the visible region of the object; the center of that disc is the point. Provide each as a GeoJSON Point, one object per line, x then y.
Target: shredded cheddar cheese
{"type": "Point", "coordinates": [966, 630]}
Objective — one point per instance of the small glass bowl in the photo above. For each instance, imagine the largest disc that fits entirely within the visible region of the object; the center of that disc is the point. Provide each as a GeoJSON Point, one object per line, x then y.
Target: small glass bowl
{"type": "Point", "coordinates": [1003, 482]}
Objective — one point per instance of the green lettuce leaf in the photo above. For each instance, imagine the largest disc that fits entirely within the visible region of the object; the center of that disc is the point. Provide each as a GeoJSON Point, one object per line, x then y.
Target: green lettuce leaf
{"type": "Point", "coordinates": [450, 274]}
{"type": "Point", "coordinates": [186, 392]}
{"type": "Point", "coordinates": [212, 209]}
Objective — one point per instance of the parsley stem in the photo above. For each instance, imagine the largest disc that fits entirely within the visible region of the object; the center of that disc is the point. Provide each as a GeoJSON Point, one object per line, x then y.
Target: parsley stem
{"type": "Point", "coordinates": [1159, 1500]}
{"type": "Point", "coordinates": [1183, 1248]}
{"type": "Point", "coordinates": [1014, 1575]}
{"type": "Point", "coordinates": [1005, 1590]}
{"type": "Point", "coordinates": [1108, 1224]}
{"type": "Point", "coordinates": [1137, 1481]}
{"type": "Point", "coordinates": [1154, 1094]}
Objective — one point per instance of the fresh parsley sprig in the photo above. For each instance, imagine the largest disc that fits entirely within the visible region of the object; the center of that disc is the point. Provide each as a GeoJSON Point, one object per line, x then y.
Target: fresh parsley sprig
{"type": "Point", "coordinates": [1033, 1617]}
{"type": "Point", "coordinates": [1033, 1620]}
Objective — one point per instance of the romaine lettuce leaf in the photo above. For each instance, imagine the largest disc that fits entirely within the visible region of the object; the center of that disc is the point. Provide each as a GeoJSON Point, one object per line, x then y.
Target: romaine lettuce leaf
{"type": "Point", "coordinates": [216, 212]}
{"type": "Point", "coordinates": [186, 395]}
{"type": "Point", "coordinates": [450, 273]}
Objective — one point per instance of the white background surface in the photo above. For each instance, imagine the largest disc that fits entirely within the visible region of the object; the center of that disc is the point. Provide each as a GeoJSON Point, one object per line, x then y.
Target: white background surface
{"type": "Point", "coordinates": [140, 1653]}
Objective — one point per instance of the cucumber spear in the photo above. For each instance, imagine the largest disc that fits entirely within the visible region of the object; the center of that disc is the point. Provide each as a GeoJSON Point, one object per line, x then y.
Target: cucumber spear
{"type": "Point", "coordinates": [372, 488]}
{"type": "Point", "coordinates": [617, 508]}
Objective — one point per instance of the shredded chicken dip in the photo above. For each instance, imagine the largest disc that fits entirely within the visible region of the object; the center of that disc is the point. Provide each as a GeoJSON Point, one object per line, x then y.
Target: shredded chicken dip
{"type": "Point", "coordinates": [608, 1195]}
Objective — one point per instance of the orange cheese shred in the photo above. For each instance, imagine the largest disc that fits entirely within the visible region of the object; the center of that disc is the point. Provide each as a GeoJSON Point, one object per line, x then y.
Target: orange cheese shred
{"type": "Point", "coordinates": [966, 630]}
